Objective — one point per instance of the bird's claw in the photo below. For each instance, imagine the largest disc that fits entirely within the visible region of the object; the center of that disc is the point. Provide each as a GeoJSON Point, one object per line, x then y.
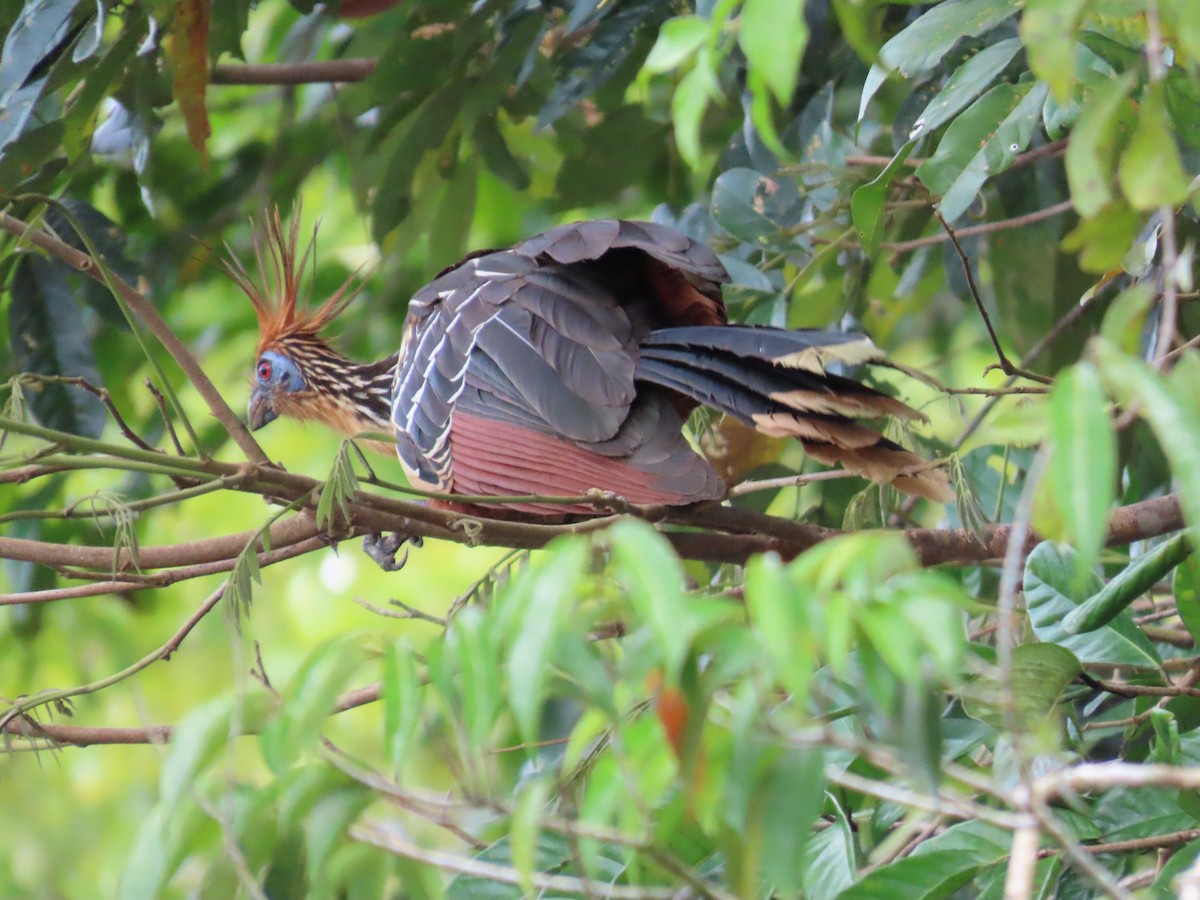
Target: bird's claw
{"type": "Point", "coordinates": [382, 548]}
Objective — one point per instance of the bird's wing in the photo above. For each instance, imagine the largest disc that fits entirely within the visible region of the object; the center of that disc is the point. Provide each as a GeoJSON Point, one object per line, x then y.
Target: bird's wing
{"type": "Point", "coordinates": [516, 374]}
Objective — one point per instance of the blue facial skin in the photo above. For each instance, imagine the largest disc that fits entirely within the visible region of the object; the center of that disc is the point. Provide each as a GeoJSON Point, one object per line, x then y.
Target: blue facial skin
{"type": "Point", "coordinates": [273, 374]}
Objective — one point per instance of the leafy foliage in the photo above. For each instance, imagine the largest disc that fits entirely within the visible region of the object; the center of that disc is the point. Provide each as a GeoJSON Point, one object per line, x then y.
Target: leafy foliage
{"type": "Point", "coordinates": [602, 717]}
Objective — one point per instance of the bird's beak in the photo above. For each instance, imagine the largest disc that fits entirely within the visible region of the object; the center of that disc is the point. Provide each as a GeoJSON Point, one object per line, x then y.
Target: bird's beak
{"type": "Point", "coordinates": [260, 412]}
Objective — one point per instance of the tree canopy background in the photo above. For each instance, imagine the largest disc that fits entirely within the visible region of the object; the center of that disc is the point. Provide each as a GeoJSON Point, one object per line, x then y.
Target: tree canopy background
{"type": "Point", "coordinates": [203, 698]}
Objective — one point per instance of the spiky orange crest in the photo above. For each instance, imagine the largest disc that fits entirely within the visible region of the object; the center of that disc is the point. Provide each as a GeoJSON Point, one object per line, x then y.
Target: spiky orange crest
{"type": "Point", "coordinates": [276, 294]}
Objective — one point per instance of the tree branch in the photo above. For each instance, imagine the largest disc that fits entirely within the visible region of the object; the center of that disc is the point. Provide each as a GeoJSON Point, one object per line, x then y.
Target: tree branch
{"type": "Point", "coordinates": [337, 71]}
{"type": "Point", "coordinates": [149, 316]}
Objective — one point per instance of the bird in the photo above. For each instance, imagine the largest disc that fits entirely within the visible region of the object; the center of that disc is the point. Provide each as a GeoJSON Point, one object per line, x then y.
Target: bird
{"type": "Point", "coordinates": [566, 364]}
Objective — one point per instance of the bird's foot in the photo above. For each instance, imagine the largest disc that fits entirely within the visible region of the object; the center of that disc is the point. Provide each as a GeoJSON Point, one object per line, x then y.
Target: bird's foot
{"type": "Point", "coordinates": [382, 548]}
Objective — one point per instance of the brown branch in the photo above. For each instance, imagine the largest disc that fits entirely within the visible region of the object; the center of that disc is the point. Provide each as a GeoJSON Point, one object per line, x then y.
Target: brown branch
{"type": "Point", "coordinates": [337, 71]}
{"type": "Point", "coordinates": [149, 316]}
{"type": "Point", "coordinates": [1054, 148]}
{"type": "Point", "coordinates": [161, 579]}
{"type": "Point", "coordinates": [1153, 842]}
{"type": "Point", "coordinates": [746, 533]}
{"type": "Point", "coordinates": [89, 736]}
{"type": "Point", "coordinates": [986, 228]}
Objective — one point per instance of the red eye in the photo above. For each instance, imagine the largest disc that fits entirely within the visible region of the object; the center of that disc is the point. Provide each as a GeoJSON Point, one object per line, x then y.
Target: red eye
{"type": "Point", "coordinates": [264, 370]}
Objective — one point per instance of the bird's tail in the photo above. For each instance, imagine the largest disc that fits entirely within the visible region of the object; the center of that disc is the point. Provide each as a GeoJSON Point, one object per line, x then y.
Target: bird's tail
{"type": "Point", "coordinates": [775, 381]}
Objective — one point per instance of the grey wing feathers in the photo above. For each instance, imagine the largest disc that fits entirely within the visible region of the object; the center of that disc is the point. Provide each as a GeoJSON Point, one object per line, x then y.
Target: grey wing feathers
{"type": "Point", "coordinates": [535, 340]}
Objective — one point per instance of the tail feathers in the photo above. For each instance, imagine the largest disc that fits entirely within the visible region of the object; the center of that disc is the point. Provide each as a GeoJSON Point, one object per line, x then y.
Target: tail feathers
{"type": "Point", "coordinates": [888, 463]}
{"type": "Point", "coordinates": [775, 381]}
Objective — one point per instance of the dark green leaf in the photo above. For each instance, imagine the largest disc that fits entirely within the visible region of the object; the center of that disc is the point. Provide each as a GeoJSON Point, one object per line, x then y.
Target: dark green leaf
{"type": "Point", "coordinates": [1187, 594]}
{"type": "Point", "coordinates": [980, 143]}
{"type": "Point", "coordinates": [925, 43]}
{"type": "Point", "coordinates": [867, 202]}
{"type": "Point", "coordinates": [753, 207]}
{"type": "Point", "coordinates": [1052, 592]}
{"type": "Point", "coordinates": [968, 82]}
{"type": "Point", "coordinates": [1040, 673]}
{"type": "Point", "coordinates": [1130, 583]}
{"type": "Point", "coordinates": [47, 337]}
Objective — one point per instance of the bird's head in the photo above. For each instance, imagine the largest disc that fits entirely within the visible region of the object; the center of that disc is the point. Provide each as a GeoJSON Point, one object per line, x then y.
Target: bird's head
{"type": "Point", "coordinates": [296, 372]}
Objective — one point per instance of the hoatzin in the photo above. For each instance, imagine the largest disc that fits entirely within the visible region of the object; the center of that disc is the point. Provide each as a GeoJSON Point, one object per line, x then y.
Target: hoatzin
{"type": "Point", "coordinates": [569, 362]}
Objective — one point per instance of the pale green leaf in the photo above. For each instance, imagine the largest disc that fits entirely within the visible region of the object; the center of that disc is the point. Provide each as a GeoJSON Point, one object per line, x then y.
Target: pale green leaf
{"type": "Point", "coordinates": [678, 40]}
{"type": "Point", "coordinates": [1151, 174]}
{"type": "Point", "coordinates": [1092, 152]}
{"type": "Point", "coordinates": [1048, 30]}
{"type": "Point", "coordinates": [773, 36]}
{"type": "Point", "coordinates": [308, 700]}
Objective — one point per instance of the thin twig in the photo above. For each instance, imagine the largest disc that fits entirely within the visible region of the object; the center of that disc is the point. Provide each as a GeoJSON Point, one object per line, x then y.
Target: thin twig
{"type": "Point", "coordinates": [168, 423]}
{"type": "Point", "coordinates": [1005, 364]}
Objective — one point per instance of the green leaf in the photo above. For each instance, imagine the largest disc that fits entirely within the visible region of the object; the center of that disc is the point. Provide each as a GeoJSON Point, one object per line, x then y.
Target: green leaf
{"type": "Point", "coordinates": [654, 580]}
{"type": "Point", "coordinates": [308, 700]}
{"type": "Point", "coordinates": [497, 156]}
{"type": "Point", "coordinates": [968, 82]}
{"type": "Point", "coordinates": [1040, 674]}
{"type": "Point", "coordinates": [1092, 152]}
{"type": "Point", "coordinates": [48, 337]}
{"type": "Point", "coordinates": [982, 142]}
{"type": "Point", "coordinates": [867, 202]}
{"type": "Point", "coordinates": [1127, 585]}
{"type": "Point", "coordinates": [525, 828]}
{"type": "Point", "coordinates": [829, 858]}
{"type": "Point", "coordinates": [426, 129]}
{"type": "Point", "coordinates": [782, 613]}
{"type": "Point", "coordinates": [401, 704]}
{"type": "Point", "coordinates": [793, 793]}
{"type": "Point", "coordinates": [1123, 321]}
{"type": "Point", "coordinates": [1170, 410]}
{"type": "Point", "coordinates": [533, 633]}
{"type": "Point", "coordinates": [339, 487]}
{"type": "Point", "coordinates": [451, 226]}
{"type": "Point", "coordinates": [924, 877]}
{"type": "Point", "coordinates": [194, 744]}
{"type": "Point", "coordinates": [1151, 174]}
{"type": "Point", "coordinates": [1048, 30]}
{"type": "Point", "coordinates": [752, 206]}
{"type": "Point", "coordinates": [1186, 586]}
{"type": "Point", "coordinates": [1084, 464]}
{"type": "Point", "coordinates": [38, 31]}
{"type": "Point", "coordinates": [924, 44]}
{"type": "Point", "coordinates": [687, 109]}
{"type": "Point", "coordinates": [1052, 592]}
{"type": "Point", "coordinates": [678, 40]}
{"type": "Point", "coordinates": [773, 36]}
{"type": "Point", "coordinates": [326, 825]}
{"type": "Point", "coordinates": [1103, 240]}
{"type": "Point", "coordinates": [472, 660]}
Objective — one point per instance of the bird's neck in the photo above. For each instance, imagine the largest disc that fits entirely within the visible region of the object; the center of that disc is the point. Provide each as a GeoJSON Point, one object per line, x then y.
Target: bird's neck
{"type": "Point", "coordinates": [368, 388]}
